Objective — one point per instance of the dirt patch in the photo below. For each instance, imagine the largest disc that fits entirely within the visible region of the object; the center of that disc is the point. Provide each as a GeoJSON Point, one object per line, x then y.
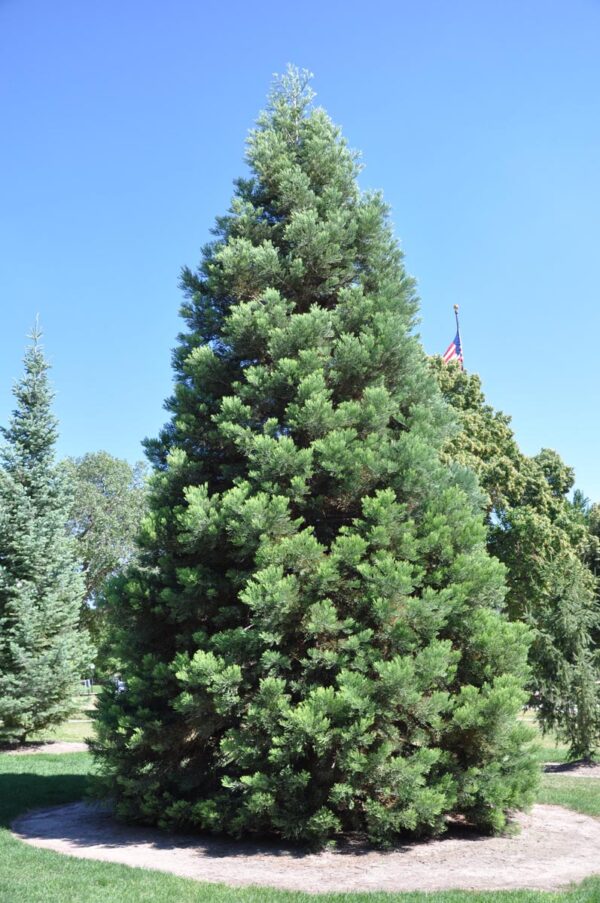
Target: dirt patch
{"type": "Point", "coordinates": [583, 768]}
{"type": "Point", "coordinates": [556, 846]}
{"type": "Point", "coordinates": [57, 746]}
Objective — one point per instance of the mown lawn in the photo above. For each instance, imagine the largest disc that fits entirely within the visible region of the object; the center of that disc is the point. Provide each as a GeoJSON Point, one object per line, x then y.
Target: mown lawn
{"type": "Point", "coordinates": [28, 875]}
{"type": "Point", "coordinates": [72, 731]}
{"type": "Point", "coordinates": [549, 749]}
{"type": "Point", "coordinates": [79, 727]}
{"type": "Point", "coordinates": [581, 794]}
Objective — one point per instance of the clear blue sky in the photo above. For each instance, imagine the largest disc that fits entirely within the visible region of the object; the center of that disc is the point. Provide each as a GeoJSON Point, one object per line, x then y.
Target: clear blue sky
{"type": "Point", "coordinates": [123, 125]}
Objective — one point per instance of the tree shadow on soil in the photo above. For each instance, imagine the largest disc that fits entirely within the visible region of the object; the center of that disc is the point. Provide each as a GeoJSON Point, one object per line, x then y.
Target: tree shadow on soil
{"type": "Point", "coordinates": [85, 824]}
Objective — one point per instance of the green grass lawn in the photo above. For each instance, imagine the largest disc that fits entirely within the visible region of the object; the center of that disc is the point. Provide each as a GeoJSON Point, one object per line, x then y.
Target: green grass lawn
{"type": "Point", "coordinates": [549, 749]}
{"type": "Point", "coordinates": [71, 731]}
{"type": "Point", "coordinates": [28, 875]}
{"type": "Point", "coordinates": [581, 794]}
{"type": "Point", "coordinates": [80, 725]}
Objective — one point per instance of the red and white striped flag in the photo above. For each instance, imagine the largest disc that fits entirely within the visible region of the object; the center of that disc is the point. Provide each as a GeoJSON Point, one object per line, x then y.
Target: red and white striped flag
{"type": "Point", "coordinates": [454, 351]}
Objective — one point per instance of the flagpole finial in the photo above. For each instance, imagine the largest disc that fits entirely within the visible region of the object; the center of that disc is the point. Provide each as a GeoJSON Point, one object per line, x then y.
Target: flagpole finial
{"type": "Point", "coordinates": [456, 308]}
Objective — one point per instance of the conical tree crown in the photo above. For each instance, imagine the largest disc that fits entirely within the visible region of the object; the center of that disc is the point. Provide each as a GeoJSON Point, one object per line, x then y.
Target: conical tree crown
{"type": "Point", "coordinates": [33, 430]}
{"type": "Point", "coordinates": [314, 642]}
{"type": "Point", "coordinates": [42, 649]}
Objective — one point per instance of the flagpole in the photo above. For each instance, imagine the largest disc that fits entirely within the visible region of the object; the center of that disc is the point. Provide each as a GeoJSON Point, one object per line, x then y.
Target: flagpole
{"type": "Point", "coordinates": [462, 363]}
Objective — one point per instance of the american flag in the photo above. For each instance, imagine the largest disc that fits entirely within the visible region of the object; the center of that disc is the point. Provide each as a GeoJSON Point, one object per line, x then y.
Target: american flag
{"type": "Point", "coordinates": [454, 351]}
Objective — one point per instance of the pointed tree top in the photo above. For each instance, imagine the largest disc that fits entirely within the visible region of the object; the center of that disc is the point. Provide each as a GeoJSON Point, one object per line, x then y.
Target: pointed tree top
{"type": "Point", "coordinates": [36, 332]}
{"type": "Point", "coordinates": [292, 88]}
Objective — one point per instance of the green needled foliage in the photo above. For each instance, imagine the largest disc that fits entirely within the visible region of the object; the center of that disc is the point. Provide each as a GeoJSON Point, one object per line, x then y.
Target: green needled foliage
{"type": "Point", "coordinates": [313, 641]}
{"type": "Point", "coordinates": [43, 651]}
{"type": "Point", "coordinates": [547, 544]}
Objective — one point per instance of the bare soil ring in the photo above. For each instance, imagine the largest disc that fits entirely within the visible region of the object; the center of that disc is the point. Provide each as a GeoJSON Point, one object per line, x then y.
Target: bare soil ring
{"type": "Point", "coordinates": [55, 746]}
{"type": "Point", "coordinates": [555, 847]}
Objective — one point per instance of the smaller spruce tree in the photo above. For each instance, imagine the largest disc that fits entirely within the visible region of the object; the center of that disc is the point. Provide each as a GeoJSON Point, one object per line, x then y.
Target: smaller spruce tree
{"type": "Point", "coordinates": [42, 647]}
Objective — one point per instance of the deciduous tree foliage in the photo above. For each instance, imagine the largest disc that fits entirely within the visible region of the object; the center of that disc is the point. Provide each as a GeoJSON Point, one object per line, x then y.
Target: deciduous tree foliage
{"type": "Point", "coordinates": [549, 552]}
{"type": "Point", "coordinates": [588, 514]}
{"type": "Point", "coordinates": [107, 505]}
{"type": "Point", "coordinates": [43, 650]}
{"type": "Point", "coordinates": [314, 640]}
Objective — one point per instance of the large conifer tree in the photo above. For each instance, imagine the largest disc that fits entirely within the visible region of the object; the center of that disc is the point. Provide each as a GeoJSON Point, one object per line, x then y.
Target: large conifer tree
{"type": "Point", "coordinates": [314, 641]}
{"type": "Point", "coordinates": [42, 649]}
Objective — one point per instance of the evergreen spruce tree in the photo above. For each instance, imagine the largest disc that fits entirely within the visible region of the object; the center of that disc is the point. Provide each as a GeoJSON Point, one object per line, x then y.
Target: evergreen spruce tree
{"type": "Point", "coordinates": [547, 545]}
{"type": "Point", "coordinates": [42, 649]}
{"type": "Point", "coordinates": [313, 642]}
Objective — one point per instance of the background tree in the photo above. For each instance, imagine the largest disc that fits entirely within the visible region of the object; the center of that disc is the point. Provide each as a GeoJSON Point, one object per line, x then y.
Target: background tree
{"type": "Point", "coordinates": [43, 650]}
{"type": "Point", "coordinates": [108, 503]}
{"type": "Point", "coordinates": [313, 642]}
{"type": "Point", "coordinates": [588, 514]}
{"type": "Point", "coordinates": [545, 542]}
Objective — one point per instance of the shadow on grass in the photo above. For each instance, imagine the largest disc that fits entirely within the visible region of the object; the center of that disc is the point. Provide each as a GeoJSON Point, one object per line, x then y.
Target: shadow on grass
{"type": "Point", "coordinates": [577, 766]}
{"type": "Point", "coordinates": [26, 790]}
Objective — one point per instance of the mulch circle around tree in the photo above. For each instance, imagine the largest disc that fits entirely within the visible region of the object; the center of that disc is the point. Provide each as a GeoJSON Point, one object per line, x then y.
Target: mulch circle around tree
{"type": "Point", "coordinates": [555, 846]}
